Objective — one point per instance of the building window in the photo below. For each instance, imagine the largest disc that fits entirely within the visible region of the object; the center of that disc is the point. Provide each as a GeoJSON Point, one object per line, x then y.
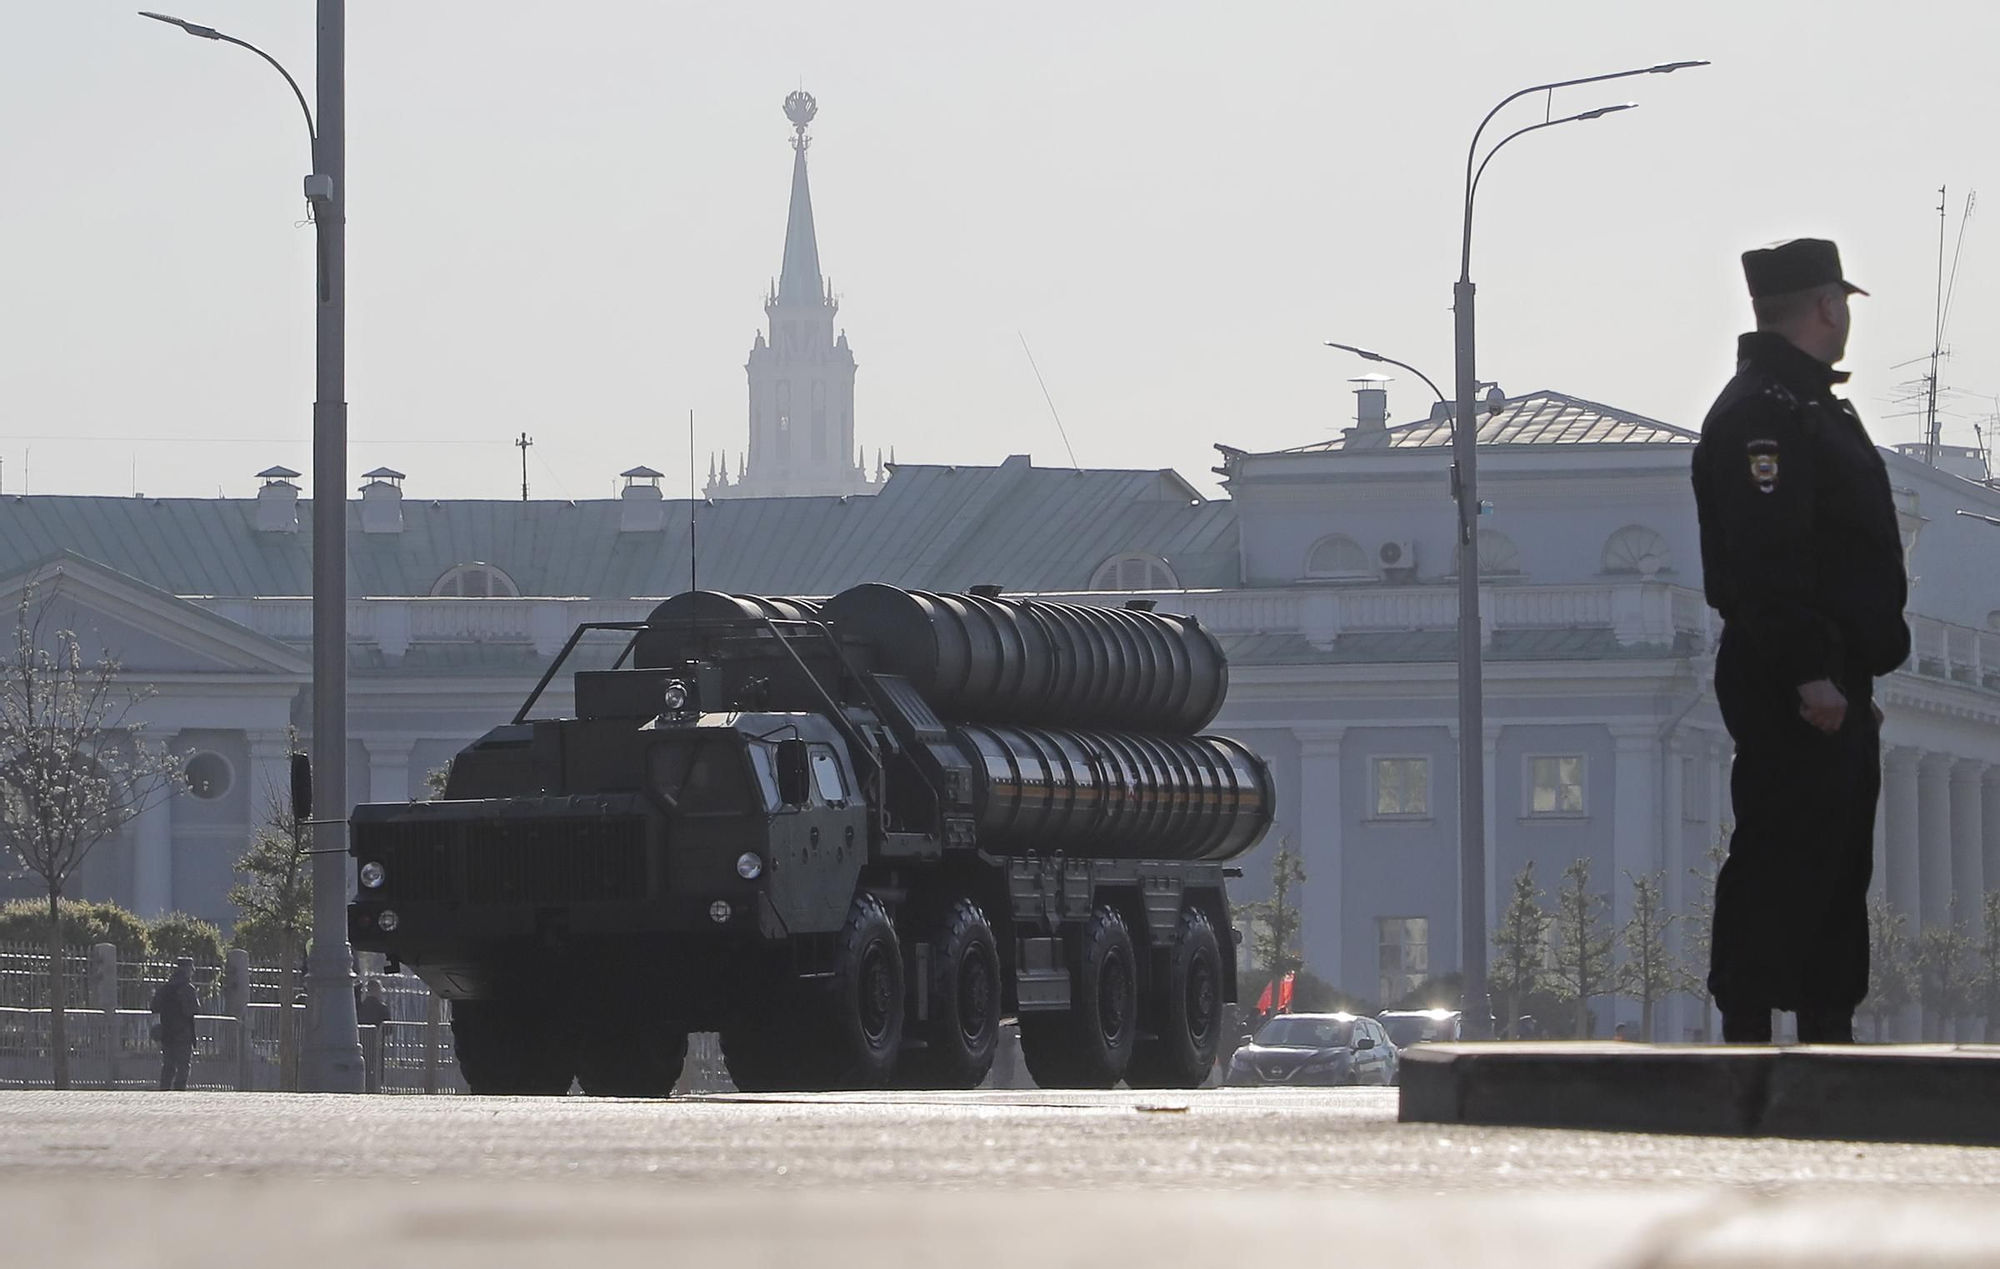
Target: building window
{"type": "Point", "coordinates": [1498, 556]}
{"type": "Point", "coordinates": [1555, 785]}
{"type": "Point", "coordinates": [1638, 550]}
{"type": "Point", "coordinates": [1337, 556]}
{"type": "Point", "coordinates": [475, 581]}
{"type": "Point", "coordinates": [208, 776]}
{"type": "Point", "coordinates": [1134, 571]}
{"type": "Point", "coordinates": [1403, 947]}
{"type": "Point", "coordinates": [1402, 787]}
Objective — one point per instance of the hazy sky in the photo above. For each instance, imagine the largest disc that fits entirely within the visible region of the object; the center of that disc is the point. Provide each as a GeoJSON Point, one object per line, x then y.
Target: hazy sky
{"type": "Point", "coordinates": [563, 218]}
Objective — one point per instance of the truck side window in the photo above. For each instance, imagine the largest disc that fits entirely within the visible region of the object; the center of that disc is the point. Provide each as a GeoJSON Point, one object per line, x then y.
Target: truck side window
{"type": "Point", "coordinates": [703, 776]}
{"type": "Point", "coordinates": [826, 775]}
{"type": "Point", "coordinates": [764, 766]}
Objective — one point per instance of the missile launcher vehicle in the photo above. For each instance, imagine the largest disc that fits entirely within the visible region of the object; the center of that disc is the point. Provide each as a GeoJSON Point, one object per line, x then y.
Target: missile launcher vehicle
{"type": "Point", "coordinates": [852, 836]}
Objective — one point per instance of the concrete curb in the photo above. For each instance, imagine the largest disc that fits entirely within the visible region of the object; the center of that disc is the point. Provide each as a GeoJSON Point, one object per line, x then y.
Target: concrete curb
{"type": "Point", "coordinates": [1913, 1093]}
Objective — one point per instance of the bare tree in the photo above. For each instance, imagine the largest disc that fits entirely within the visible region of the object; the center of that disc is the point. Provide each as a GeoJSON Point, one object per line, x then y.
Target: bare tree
{"type": "Point", "coordinates": [1277, 921]}
{"type": "Point", "coordinates": [1648, 971]}
{"type": "Point", "coordinates": [75, 771]}
{"type": "Point", "coordinates": [1522, 942]}
{"type": "Point", "coordinates": [1944, 976]}
{"type": "Point", "coordinates": [1698, 934]}
{"type": "Point", "coordinates": [1581, 967]}
{"type": "Point", "coordinates": [275, 898]}
{"type": "Point", "coordinates": [1891, 982]}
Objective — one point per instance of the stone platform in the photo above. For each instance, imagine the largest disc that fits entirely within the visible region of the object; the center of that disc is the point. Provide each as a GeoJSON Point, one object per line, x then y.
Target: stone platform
{"type": "Point", "coordinates": [1911, 1093]}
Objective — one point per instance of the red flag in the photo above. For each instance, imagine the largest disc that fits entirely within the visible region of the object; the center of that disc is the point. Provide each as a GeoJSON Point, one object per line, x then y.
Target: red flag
{"type": "Point", "coordinates": [1285, 992]}
{"type": "Point", "coordinates": [1264, 1001]}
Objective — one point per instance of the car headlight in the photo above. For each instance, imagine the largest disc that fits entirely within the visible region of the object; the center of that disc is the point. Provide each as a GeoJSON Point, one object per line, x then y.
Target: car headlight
{"type": "Point", "coordinates": [387, 921]}
{"type": "Point", "coordinates": [373, 875]}
{"type": "Point", "coordinates": [749, 866]}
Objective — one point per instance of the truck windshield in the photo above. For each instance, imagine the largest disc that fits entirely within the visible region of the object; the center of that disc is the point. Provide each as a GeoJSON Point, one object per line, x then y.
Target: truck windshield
{"type": "Point", "coordinates": [704, 775]}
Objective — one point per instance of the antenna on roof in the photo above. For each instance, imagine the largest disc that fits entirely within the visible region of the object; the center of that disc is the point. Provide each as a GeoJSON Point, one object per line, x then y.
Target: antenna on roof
{"type": "Point", "coordinates": [522, 445]}
{"type": "Point", "coordinates": [1051, 400]}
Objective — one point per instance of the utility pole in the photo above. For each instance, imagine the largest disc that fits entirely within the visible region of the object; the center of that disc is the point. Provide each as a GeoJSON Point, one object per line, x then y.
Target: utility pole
{"type": "Point", "coordinates": [523, 445]}
{"type": "Point", "coordinates": [331, 1055]}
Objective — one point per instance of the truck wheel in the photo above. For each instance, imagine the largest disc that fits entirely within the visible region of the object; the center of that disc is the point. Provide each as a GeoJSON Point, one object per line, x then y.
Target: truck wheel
{"type": "Point", "coordinates": [1090, 1045]}
{"type": "Point", "coordinates": [1185, 1011]}
{"type": "Point", "coordinates": [507, 1048]}
{"type": "Point", "coordinates": [861, 1024]}
{"type": "Point", "coordinates": [639, 1057]}
{"type": "Point", "coordinates": [963, 1032]}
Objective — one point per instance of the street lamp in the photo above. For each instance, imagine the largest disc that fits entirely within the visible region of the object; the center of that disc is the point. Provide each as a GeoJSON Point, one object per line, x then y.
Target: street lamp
{"type": "Point", "coordinates": [1464, 447]}
{"type": "Point", "coordinates": [331, 1055]}
{"type": "Point", "coordinates": [1368, 354]}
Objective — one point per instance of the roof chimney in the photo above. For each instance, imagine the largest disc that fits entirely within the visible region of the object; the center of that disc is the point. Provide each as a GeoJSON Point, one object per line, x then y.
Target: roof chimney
{"type": "Point", "coordinates": [277, 501]}
{"type": "Point", "coordinates": [1371, 413]}
{"type": "Point", "coordinates": [382, 501]}
{"type": "Point", "coordinates": [643, 508]}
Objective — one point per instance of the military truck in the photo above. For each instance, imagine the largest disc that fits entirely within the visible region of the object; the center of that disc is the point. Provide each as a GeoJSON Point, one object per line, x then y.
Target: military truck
{"type": "Point", "coordinates": [851, 836]}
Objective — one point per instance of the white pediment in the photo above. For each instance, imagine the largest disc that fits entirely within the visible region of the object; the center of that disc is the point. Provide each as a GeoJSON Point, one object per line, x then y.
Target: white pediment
{"type": "Point", "coordinates": [151, 633]}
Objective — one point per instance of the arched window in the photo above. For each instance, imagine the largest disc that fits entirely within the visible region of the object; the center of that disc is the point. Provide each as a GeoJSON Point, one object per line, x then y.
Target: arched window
{"type": "Point", "coordinates": [1134, 570]}
{"type": "Point", "coordinates": [1336, 555]}
{"type": "Point", "coordinates": [475, 581]}
{"type": "Point", "coordinates": [1498, 556]}
{"type": "Point", "coordinates": [1637, 549]}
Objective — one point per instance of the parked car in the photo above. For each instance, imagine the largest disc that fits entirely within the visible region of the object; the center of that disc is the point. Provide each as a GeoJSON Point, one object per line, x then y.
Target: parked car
{"type": "Point", "coordinates": [1409, 1027]}
{"type": "Point", "coordinates": [1316, 1048]}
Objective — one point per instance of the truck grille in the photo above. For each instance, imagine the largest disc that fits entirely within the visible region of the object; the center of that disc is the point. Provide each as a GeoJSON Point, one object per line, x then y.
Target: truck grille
{"type": "Point", "coordinates": [554, 860]}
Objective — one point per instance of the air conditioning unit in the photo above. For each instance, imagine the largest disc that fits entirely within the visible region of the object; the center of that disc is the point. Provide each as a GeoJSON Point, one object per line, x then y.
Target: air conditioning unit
{"type": "Point", "coordinates": [1397, 554]}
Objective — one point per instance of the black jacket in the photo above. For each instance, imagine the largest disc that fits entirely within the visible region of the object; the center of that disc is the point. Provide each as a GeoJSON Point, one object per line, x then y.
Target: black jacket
{"type": "Point", "coordinates": [1800, 549]}
{"type": "Point", "coordinates": [176, 1004]}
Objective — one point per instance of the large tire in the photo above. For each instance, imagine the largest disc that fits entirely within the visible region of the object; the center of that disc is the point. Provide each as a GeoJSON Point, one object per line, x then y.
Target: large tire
{"type": "Point", "coordinates": [1090, 1045]}
{"type": "Point", "coordinates": [966, 997]}
{"type": "Point", "coordinates": [507, 1048]}
{"type": "Point", "coordinates": [632, 1057]}
{"type": "Point", "coordinates": [1184, 1011]}
{"type": "Point", "coordinates": [858, 1018]}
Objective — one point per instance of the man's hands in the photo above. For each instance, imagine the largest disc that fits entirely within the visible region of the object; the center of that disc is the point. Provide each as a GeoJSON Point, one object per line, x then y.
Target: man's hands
{"type": "Point", "coordinates": [1822, 705]}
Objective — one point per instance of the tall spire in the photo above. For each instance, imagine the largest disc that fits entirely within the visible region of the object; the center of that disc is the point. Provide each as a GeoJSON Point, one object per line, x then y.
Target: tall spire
{"type": "Point", "coordinates": [799, 281]}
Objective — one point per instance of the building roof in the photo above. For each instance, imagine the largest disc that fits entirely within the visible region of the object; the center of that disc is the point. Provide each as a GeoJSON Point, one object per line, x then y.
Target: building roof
{"type": "Point", "coordinates": [1405, 647]}
{"type": "Point", "coordinates": [1016, 525]}
{"type": "Point", "coordinates": [1539, 418]}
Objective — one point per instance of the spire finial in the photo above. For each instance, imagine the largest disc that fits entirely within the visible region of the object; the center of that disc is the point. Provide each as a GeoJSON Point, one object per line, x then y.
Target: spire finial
{"type": "Point", "coordinates": [800, 109]}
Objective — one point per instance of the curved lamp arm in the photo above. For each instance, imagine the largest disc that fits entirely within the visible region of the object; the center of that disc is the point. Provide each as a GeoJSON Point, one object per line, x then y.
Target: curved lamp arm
{"type": "Point", "coordinates": [1472, 151]}
{"type": "Point", "coordinates": [1367, 354]}
{"type": "Point", "coordinates": [1472, 191]}
{"type": "Point", "coordinates": [210, 33]}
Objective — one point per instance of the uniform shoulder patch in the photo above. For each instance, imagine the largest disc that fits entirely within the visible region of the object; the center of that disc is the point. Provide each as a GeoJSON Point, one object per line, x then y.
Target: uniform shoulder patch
{"type": "Point", "coordinates": [1763, 454]}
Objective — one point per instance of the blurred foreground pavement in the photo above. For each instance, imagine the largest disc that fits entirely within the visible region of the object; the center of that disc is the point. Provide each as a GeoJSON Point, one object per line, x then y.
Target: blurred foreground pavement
{"type": "Point", "coordinates": [1218, 1179]}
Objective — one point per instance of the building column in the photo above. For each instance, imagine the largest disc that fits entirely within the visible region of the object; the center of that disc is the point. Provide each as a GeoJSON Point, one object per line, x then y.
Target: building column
{"type": "Point", "coordinates": [1634, 828]}
{"type": "Point", "coordinates": [1934, 840]}
{"type": "Point", "coordinates": [1489, 759]}
{"type": "Point", "coordinates": [153, 847]}
{"type": "Point", "coordinates": [1878, 876]}
{"type": "Point", "coordinates": [270, 776]}
{"type": "Point", "coordinates": [1673, 846]}
{"type": "Point", "coordinates": [1900, 848]}
{"type": "Point", "coordinates": [389, 768]}
{"type": "Point", "coordinates": [1323, 929]}
{"type": "Point", "coordinates": [1968, 849]}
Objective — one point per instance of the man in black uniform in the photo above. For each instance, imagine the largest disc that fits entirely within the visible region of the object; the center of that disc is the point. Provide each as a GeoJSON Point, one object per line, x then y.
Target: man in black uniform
{"type": "Point", "coordinates": [1801, 554]}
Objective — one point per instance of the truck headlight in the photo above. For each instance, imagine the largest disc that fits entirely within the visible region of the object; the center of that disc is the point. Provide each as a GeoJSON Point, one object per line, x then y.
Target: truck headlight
{"type": "Point", "coordinates": [387, 921]}
{"type": "Point", "coordinates": [720, 911]}
{"type": "Point", "coordinates": [373, 875]}
{"type": "Point", "coordinates": [749, 866]}
{"type": "Point", "coordinates": [674, 697]}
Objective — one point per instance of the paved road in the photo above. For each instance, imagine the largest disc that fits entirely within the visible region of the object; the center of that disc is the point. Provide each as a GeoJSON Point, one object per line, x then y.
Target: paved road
{"type": "Point", "coordinates": [944, 1181]}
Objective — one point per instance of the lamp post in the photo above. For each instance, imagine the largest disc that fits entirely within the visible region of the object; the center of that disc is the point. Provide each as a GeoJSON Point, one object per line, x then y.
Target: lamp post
{"type": "Point", "coordinates": [1369, 354]}
{"type": "Point", "coordinates": [331, 1055]}
{"type": "Point", "coordinates": [1464, 448]}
